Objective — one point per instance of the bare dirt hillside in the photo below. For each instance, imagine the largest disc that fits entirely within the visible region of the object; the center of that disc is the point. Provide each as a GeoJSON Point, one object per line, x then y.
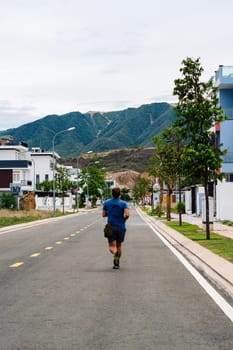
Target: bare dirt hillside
{"type": "Point", "coordinates": [126, 178]}
{"type": "Point", "coordinates": [125, 166]}
{"type": "Point", "coordinates": [136, 159]}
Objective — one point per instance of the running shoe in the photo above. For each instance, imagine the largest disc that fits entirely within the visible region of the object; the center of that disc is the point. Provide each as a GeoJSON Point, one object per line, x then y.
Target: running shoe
{"type": "Point", "coordinates": [116, 261]}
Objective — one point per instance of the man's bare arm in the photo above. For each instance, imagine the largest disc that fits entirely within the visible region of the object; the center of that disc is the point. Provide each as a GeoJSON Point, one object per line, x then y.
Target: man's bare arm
{"type": "Point", "coordinates": [126, 213]}
{"type": "Point", "coordinates": [104, 213]}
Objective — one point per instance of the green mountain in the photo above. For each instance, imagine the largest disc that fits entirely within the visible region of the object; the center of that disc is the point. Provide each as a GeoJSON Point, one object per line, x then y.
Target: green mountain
{"type": "Point", "coordinates": [96, 131]}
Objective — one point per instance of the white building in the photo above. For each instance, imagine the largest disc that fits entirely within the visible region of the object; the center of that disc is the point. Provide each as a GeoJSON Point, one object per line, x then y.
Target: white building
{"type": "Point", "coordinates": [21, 170]}
{"type": "Point", "coordinates": [43, 163]}
{"type": "Point", "coordinates": [224, 130]}
{"type": "Point", "coordinates": [16, 168]}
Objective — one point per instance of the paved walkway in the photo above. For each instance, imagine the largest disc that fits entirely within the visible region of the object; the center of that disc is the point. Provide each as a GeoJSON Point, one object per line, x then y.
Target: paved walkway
{"type": "Point", "coordinates": [217, 269]}
{"type": "Point", "coordinates": [218, 227]}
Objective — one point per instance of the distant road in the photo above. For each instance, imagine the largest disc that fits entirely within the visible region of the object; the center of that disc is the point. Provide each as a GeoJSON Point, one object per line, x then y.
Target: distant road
{"type": "Point", "coordinates": [58, 291]}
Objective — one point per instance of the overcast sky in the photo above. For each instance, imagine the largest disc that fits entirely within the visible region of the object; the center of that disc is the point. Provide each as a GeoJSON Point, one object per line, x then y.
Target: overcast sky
{"type": "Point", "coordinates": [59, 56]}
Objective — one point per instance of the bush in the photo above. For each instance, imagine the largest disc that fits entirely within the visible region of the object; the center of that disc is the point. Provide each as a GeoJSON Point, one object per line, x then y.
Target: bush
{"type": "Point", "coordinates": [180, 206]}
{"type": "Point", "coordinates": [7, 201]}
{"type": "Point", "coordinates": [155, 212]}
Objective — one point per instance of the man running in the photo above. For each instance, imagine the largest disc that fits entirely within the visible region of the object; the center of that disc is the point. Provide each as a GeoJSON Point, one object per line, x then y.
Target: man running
{"type": "Point", "coordinates": [117, 212]}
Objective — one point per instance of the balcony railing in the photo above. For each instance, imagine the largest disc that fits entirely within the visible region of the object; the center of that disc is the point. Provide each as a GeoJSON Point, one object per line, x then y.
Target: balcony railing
{"type": "Point", "coordinates": [14, 164]}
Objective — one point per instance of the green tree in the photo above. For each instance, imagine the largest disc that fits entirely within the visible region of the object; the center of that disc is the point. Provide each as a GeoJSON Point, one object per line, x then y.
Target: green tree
{"type": "Point", "coordinates": [197, 112]}
{"type": "Point", "coordinates": [46, 185]}
{"type": "Point", "coordinates": [165, 163]}
{"type": "Point", "coordinates": [125, 194]}
{"type": "Point", "coordinates": [62, 183]}
{"type": "Point", "coordinates": [92, 181]}
{"type": "Point", "coordinates": [141, 188]}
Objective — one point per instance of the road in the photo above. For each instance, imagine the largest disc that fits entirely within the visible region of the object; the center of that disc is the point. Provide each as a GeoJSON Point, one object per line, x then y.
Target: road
{"type": "Point", "coordinates": [58, 291]}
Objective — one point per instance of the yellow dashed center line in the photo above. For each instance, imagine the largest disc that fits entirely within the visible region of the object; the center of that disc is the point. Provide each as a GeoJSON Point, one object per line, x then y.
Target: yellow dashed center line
{"type": "Point", "coordinates": [34, 255]}
{"type": "Point", "coordinates": [17, 264]}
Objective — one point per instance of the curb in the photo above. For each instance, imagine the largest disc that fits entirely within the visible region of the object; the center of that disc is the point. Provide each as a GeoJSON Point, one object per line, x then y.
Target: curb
{"type": "Point", "coordinates": [220, 265]}
{"type": "Point", "coordinates": [217, 269]}
{"type": "Point", "coordinates": [31, 223]}
{"type": "Point", "coordinates": [39, 222]}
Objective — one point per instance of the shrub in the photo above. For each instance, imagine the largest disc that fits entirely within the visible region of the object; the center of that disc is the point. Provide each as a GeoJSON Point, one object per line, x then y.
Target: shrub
{"type": "Point", "coordinates": [7, 201]}
{"type": "Point", "coordinates": [155, 212]}
{"type": "Point", "coordinates": [180, 206]}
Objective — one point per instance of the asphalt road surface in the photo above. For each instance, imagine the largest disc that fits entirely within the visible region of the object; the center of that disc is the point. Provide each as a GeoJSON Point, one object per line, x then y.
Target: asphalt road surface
{"type": "Point", "coordinates": [58, 291]}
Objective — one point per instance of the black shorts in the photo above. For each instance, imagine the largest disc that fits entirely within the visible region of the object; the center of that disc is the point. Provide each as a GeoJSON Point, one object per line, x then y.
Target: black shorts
{"type": "Point", "coordinates": [118, 235]}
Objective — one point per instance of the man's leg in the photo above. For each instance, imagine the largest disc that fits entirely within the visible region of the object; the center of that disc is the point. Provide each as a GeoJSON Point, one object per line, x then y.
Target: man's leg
{"type": "Point", "coordinates": [119, 248]}
{"type": "Point", "coordinates": [114, 250]}
{"type": "Point", "coordinates": [115, 247]}
{"type": "Point", "coordinates": [112, 247]}
{"type": "Point", "coordinates": [116, 260]}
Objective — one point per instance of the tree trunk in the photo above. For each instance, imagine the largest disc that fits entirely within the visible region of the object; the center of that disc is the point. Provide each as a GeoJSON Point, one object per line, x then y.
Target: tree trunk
{"type": "Point", "coordinates": [169, 192]}
{"type": "Point", "coordinates": [63, 203]}
{"type": "Point", "coordinates": [160, 198]}
{"type": "Point", "coordinates": [207, 219]}
{"type": "Point", "coordinates": [180, 210]}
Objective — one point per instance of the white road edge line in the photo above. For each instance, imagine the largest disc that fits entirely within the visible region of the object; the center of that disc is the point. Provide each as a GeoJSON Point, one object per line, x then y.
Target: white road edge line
{"type": "Point", "coordinates": [218, 299]}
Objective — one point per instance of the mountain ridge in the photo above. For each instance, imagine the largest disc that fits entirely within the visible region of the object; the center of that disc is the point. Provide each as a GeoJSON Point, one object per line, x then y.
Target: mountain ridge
{"type": "Point", "coordinates": [96, 131]}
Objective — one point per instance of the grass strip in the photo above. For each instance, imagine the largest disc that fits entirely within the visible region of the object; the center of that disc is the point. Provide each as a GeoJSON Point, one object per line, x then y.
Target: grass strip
{"type": "Point", "coordinates": [220, 245]}
{"type": "Point", "coordinates": [14, 217]}
{"type": "Point", "coordinates": [14, 221]}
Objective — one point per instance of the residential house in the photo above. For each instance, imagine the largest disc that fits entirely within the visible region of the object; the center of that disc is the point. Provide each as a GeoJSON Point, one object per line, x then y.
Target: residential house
{"type": "Point", "coordinates": [21, 170]}
{"type": "Point", "coordinates": [16, 168]}
{"type": "Point", "coordinates": [222, 193]}
{"type": "Point", "coordinates": [224, 131]}
{"type": "Point", "coordinates": [43, 164]}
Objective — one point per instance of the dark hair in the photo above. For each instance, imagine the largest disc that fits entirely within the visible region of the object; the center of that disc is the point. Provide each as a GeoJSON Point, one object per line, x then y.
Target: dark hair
{"type": "Point", "coordinates": [116, 192]}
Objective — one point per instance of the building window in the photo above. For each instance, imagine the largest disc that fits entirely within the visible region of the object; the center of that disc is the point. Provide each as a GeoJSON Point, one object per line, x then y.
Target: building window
{"type": "Point", "coordinates": [37, 178]}
{"type": "Point", "coordinates": [16, 176]}
{"type": "Point", "coordinates": [229, 177]}
{"type": "Point", "coordinates": [46, 177]}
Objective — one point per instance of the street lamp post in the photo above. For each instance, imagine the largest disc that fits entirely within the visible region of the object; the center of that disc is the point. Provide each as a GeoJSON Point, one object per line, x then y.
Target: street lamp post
{"type": "Point", "coordinates": [54, 190]}
{"type": "Point", "coordinates": [89, 152]}
{"type": "Point", "coordinates": [77, 196]}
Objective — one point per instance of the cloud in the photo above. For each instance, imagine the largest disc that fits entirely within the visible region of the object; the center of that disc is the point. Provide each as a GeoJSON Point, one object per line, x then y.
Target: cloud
{"type": "Point", "coordinates": [13, 116]}
{"type": "Point", "coordinates": [59, 56]}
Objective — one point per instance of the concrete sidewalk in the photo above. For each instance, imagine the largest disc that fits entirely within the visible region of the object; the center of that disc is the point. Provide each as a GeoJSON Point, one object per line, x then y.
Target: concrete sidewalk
{"type": "Point", "coordinates": [218, 227]}
{"type": "Point", "coordinates": [216, 269]}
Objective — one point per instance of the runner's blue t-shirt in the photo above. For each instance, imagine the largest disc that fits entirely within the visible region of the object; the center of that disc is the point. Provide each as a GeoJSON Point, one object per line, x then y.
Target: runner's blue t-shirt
{"type": "Point", "coordinates": [115, 212]}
